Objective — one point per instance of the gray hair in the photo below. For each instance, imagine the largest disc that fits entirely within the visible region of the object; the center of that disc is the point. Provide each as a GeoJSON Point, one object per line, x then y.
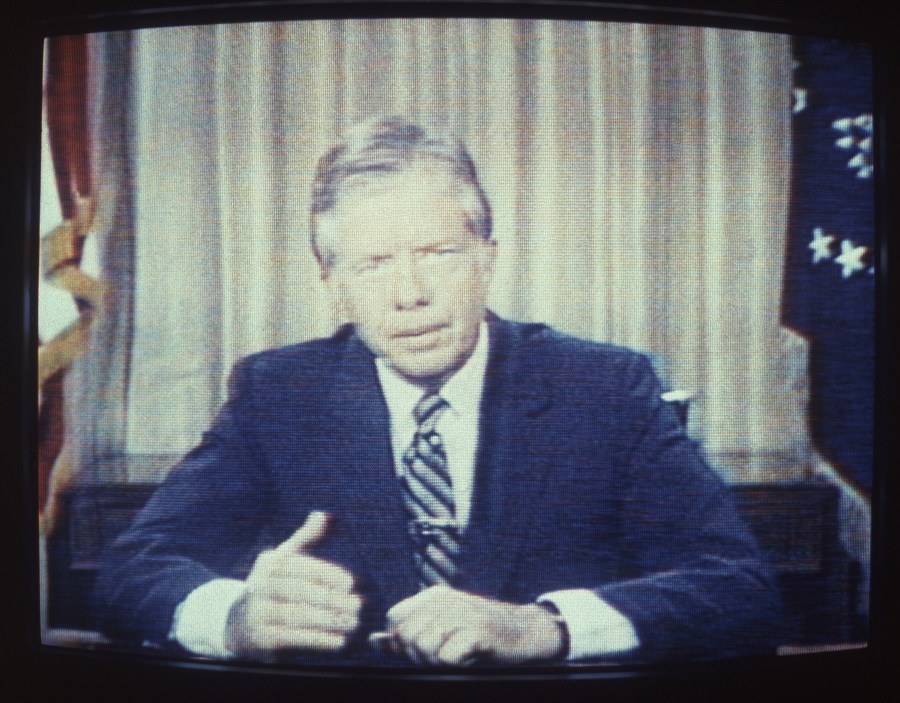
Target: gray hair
{"type": "Point", "coordinates": [386, 147]}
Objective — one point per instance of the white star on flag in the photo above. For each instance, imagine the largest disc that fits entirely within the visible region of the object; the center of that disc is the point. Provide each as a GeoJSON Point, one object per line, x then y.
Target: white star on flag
{"type": "Point", "coordinates": [845, 142]}
{"type": "Point", "coordinates": [858, 161]}
{"type": "Point", "coordinates": [821, 245]}
{"type": "Point", "coordinates": [850, 258]}
{"type": "Point", "coordinates": [843, 124]}
{"type": "Point", "coordinates": [799, 100]}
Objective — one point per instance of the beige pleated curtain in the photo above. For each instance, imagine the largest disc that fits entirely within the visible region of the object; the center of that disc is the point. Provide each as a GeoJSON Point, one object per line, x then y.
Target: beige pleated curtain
{"type": "Point", "coordinates": [638, 174]}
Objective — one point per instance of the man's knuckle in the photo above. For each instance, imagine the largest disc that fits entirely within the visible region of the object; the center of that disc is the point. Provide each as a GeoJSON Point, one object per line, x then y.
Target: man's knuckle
{"type": "Point", "coordinates": [348, 622]}
{"type": "Point", "coordinates": [264, 639]}
{"type": "Point", "coordinates": [265, 560]}
{"type": "Point", "coordinates": [333, 642]}
{"type": "Point", "coordinates": [450, 655]}
{"type": "Point", "coordinates": [253, 610]}
{"type": "Point", "coordinates": [256, 589]}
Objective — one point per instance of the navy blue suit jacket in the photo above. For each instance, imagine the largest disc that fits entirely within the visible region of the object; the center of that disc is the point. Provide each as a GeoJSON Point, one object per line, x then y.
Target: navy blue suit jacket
{"type": "Point", "coordinates": [584, 479]}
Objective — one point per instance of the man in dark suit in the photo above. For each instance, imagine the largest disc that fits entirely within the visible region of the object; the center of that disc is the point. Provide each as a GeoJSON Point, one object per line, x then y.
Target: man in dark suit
{"type": "Point", "coordinates": [434, 484]}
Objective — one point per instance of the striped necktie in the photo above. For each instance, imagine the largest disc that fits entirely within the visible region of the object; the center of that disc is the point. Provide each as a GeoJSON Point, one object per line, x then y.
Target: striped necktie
{"type": "Point", "coordinates": [428, 495]}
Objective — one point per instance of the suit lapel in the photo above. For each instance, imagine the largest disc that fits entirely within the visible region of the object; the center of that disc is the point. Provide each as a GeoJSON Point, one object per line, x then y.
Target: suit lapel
{"type": "Point", "coordinates": [512, 463]}
{"type": "Point", "coordinates": [369, 494]}
{"type": "Point", "coordinates": [511, 469]}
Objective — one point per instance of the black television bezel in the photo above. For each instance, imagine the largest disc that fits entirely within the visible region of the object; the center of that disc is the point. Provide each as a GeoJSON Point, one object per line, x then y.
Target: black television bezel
{"type": "Point", "coordinates": [55, 671]}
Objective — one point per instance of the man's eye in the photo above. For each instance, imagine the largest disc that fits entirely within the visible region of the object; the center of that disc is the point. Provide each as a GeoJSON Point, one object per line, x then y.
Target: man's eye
{"type": "Point", "coordinates": [371, 265]}
{"type": "Point", "coordinates": [442, 251]}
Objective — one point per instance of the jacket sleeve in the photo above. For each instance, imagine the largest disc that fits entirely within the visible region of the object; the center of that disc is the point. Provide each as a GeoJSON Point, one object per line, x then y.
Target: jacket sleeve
{"type": "Point", "coordinates": [701, 586]}
{"type": "Point", "coordinates": [203, 522]}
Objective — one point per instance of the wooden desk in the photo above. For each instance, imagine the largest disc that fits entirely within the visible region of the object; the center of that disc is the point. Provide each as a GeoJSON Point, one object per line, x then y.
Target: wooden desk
{"type": "Point", "coordinates": [796, 524]}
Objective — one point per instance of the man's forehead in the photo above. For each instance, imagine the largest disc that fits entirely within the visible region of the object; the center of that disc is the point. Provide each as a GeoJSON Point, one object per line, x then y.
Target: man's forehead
{"type": "Point", "coordinates": [402, 207]}
{"type": "Point", "coordinates": [409, 225]}
{"type": "Point", "coordinates": [420, 184]}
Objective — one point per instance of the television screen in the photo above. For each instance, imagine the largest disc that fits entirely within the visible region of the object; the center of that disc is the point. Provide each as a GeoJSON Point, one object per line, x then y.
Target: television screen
{"type": "Point", "coordinates": [505, 343]}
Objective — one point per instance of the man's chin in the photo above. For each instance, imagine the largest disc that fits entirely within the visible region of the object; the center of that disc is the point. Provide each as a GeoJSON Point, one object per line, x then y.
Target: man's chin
{"type": "Point", "coordinates": [430, 373]}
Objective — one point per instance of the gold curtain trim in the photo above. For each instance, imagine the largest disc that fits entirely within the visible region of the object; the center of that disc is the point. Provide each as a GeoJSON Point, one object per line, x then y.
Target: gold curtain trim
{"type": "Point", "coordinates": [61, 256]}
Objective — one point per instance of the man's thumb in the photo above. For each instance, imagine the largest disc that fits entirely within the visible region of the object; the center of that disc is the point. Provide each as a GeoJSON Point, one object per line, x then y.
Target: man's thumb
{"type": "Point", "coordinates": [309, 534]}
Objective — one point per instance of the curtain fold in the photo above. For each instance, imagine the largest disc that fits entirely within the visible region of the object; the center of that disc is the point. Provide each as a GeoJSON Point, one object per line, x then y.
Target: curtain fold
{"type": "Point", "coordinates": [638, 176]}
{"type": "Point", "coordinates": [98, 384]}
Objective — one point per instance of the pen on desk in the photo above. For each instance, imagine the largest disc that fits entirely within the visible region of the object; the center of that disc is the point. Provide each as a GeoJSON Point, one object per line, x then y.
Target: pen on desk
{"type": "Point", "coordinates": [382, 642]}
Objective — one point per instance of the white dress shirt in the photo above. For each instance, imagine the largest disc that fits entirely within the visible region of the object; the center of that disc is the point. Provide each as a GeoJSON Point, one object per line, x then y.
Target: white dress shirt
{"type": "Point", "coordinates": [595, 628]}
{"type": "Point", "coordinates": [457, 425]}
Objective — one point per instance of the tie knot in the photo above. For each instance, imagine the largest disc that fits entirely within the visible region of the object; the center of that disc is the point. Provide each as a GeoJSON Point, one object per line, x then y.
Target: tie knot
{"type": "Point", "coordinates": [429, 408]}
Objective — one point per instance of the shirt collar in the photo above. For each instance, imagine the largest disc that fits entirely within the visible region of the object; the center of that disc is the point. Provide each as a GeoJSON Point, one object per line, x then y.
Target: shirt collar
{"type": "Point", "coordinates": [462, 391]}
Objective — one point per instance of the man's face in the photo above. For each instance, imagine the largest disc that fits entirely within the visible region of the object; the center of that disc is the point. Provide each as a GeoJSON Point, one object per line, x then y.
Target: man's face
{"type": "Point", "coordinates": [409, 274]}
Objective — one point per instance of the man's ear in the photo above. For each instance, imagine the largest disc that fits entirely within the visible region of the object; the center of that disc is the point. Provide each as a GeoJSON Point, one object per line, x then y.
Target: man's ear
{"type": "Point", "coordinates": [333, 294]}
{"type": "Point", "coordinates": [328, 281]}
{"type": "Point", "coordinates": [490, 257]}
{"type": "Point", "coordinates": [325, 259]}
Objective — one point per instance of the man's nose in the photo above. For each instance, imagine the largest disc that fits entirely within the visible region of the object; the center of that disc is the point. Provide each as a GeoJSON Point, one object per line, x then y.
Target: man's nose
{"type": "Point", "coordinates": [411, 288]}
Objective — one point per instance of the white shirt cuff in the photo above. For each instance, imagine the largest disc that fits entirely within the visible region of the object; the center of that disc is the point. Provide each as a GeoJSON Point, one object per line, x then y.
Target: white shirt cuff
{"type": "Point", "coordinates": [201, 619]}
{"type": "Point", "coordinates": [595, 627]}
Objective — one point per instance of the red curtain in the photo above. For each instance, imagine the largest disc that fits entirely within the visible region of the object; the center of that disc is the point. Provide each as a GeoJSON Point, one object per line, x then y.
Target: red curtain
{"type": "Point", "coordinates": [66, 101]}
{"type": "Point", "coordinates": [65, 95]}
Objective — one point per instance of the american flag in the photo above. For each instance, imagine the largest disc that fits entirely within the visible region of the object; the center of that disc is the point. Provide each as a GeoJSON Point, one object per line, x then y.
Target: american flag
{"type": "Point", "coordinates": [829, 291]}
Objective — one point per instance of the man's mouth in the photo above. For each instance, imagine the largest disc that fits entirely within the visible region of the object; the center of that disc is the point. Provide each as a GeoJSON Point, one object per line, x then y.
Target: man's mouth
{"type": "Point", "coordinates": [421, 331]}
